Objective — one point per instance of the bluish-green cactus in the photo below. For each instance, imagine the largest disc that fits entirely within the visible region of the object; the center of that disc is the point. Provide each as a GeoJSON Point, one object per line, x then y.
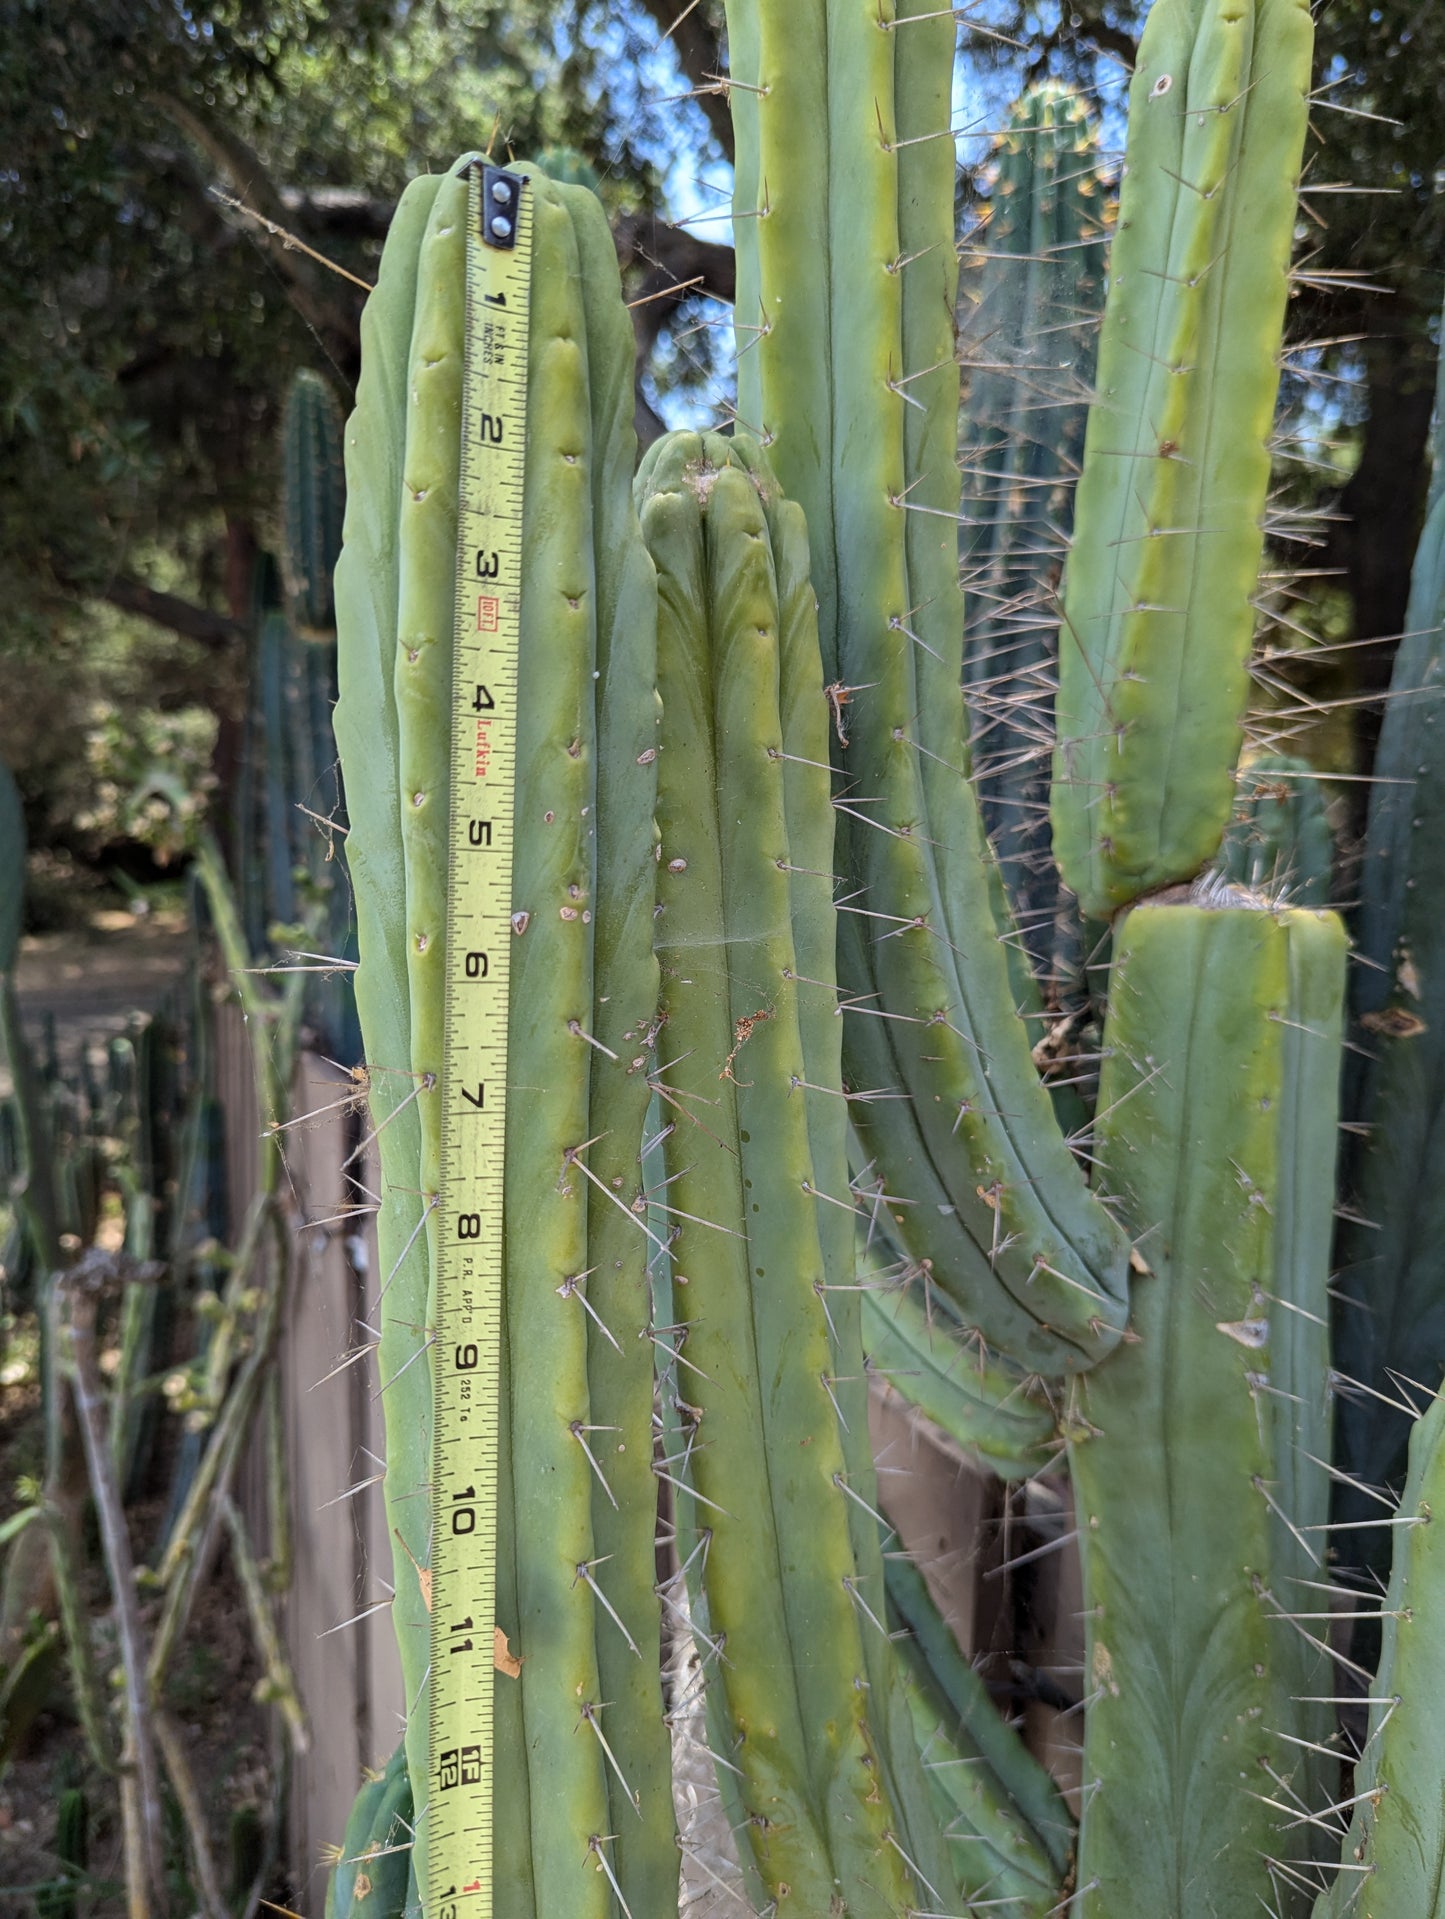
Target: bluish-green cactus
{"type": "Point", "coordinates": [313, 502]}
{"type": "Point", "coordinates": [1029, 315]}
{"type": "Point", "coordinates": [1391, 1311]}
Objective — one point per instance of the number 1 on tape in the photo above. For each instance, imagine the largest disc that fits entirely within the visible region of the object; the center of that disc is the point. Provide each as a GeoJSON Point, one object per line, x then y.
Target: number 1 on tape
{"type": "Point", "coordinates": [469, 1329]}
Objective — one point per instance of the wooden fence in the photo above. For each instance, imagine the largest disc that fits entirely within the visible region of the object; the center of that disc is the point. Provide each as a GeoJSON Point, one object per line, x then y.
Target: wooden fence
{"type": "Point", "coordinates": [343, 1654]}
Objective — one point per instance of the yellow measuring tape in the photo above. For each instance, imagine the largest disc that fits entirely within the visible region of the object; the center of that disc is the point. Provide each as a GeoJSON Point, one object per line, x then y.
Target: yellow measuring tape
{"type": "Point", "coordinates": [474, 1074]}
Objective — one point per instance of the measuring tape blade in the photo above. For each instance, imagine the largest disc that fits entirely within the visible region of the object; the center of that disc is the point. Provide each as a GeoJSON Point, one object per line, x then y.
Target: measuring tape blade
{"type": "Point", "coordinates": [469, 1321]}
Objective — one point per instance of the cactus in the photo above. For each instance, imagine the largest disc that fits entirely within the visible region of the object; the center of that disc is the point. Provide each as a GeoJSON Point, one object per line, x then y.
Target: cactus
{"type": "Point", "coordinates": [576, 1598]}
{"type": "Point", "coordinates": [1391, 1315]}
{"type": "Point", "coordinates": [1026, 338]}
{"type": "Point", "coordinates": [1279, 840]}
{"type": "Point", "coordinates": [860, 1774]}
{"type": "Point", "coordinates": [1153, 678]}
{"type": "Point", "coordinates": [984, 1406]}
{"type": "Point", "coordinates": [313, 499]}
{"type": "Point", "coordinates": [858, 235]}
{"type": "Point", "coordinates": [369, 1879]}
{"type": "Point", "coordinates": [1393, 1856]}
{"type": "Point", "coordinates": [288, 812]}
{"type": "Point", "coordinates": [1008, 1829]}
{"type": "Point", "coordinates": [1216, 1131]}
{"type": "Point", "coordinates": [762, 1275]}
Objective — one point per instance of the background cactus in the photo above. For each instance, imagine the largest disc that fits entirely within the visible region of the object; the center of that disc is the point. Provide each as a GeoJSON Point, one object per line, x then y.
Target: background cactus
{"type": "Point", "coordinates": [313, 502]}
{"type": "Point", "coordinates": [289, 815]}
{"type": "Point", "coordinates": [1279, 840]}
{"type": "Point", "coordinates": [1029, 314]}
{"type": "Point", "coordinates": [1390, 1315]}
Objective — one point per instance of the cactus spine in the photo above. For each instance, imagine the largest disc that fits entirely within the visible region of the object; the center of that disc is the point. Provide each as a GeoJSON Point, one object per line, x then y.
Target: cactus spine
{"type": "Point", "coordinates": [1158, 599]}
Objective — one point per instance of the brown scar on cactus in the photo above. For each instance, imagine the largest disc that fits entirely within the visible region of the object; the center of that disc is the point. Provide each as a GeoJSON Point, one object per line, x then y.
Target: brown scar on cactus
{"type": "Point", "coordinates": [504, 1660]}
{"type": "Point", "coordinates": [742, 1033]}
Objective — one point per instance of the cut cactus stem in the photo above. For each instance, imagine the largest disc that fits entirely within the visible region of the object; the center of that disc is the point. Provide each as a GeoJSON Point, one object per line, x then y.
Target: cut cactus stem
{"type": "Point", "coordinates": [1198, 1452]}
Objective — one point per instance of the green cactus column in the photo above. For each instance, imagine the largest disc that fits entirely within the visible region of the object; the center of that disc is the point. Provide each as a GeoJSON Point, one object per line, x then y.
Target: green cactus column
{"type": "Point", "coordinates": [313, 503]}
{"type": "Point", "coordinates": [583, 1809]}
{"type": "Point", "coordinates": [1197, 1456]}
{"type": "Point", "coordinates": [1029, 312]}
{"type": "Point", "coordinates": [1393, 1857]}
{"type": "Point", "coordinates": [1158, 598]}
{"type": "Point", "coordinates": [773, 1428]}
{"type": "Point", "coordinates": [1391, 1313]}
{"type": "Point", "coordinates": [846, 282]}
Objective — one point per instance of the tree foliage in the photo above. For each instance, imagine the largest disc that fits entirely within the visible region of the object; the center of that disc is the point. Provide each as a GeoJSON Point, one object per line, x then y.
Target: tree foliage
{"type": "Point", "coordinates": [152, 324]}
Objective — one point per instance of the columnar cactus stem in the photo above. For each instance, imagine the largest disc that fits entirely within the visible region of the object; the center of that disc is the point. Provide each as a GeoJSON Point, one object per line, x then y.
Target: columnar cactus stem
{"type": "Point", "coordinates": [313, 498]}
{"type": "Point", "coordinates": [1027, 338]}
{"type": "Point", "coordinates": [620, 1368]}
{"type": "Point", "coordinates": [1200, 1510]}
{"type": "Point", "coordinates": [368, 738]}
{"type": "Point", "coordinates": [583, 1810]}
{"type": "Point", "coordinates": [1393, 1857]}
{"type": "Point", "coordinates": [370, 1878]}
{"type": "Point", "coordinates": [982, 1405]}
{"type": "Point", "coordinates": [1391, 1318]}
{"type": "Point", "coordinates": [846, 275]}
{"type": "Point", "coordinates": [785, 1606]}
{"type": "Point", "coordinates": [1158, 598]}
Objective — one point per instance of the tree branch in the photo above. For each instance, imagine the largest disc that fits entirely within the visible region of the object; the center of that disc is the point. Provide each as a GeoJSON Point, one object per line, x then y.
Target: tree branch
{"type": "Point", "coordinates": [192, 622]}
{"type": "Point", "coordinates": [678, 267]}
{"type": "Point", "coordinates": [699, 53]}
{"type": "Point", "coordinates": [313, 292]}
